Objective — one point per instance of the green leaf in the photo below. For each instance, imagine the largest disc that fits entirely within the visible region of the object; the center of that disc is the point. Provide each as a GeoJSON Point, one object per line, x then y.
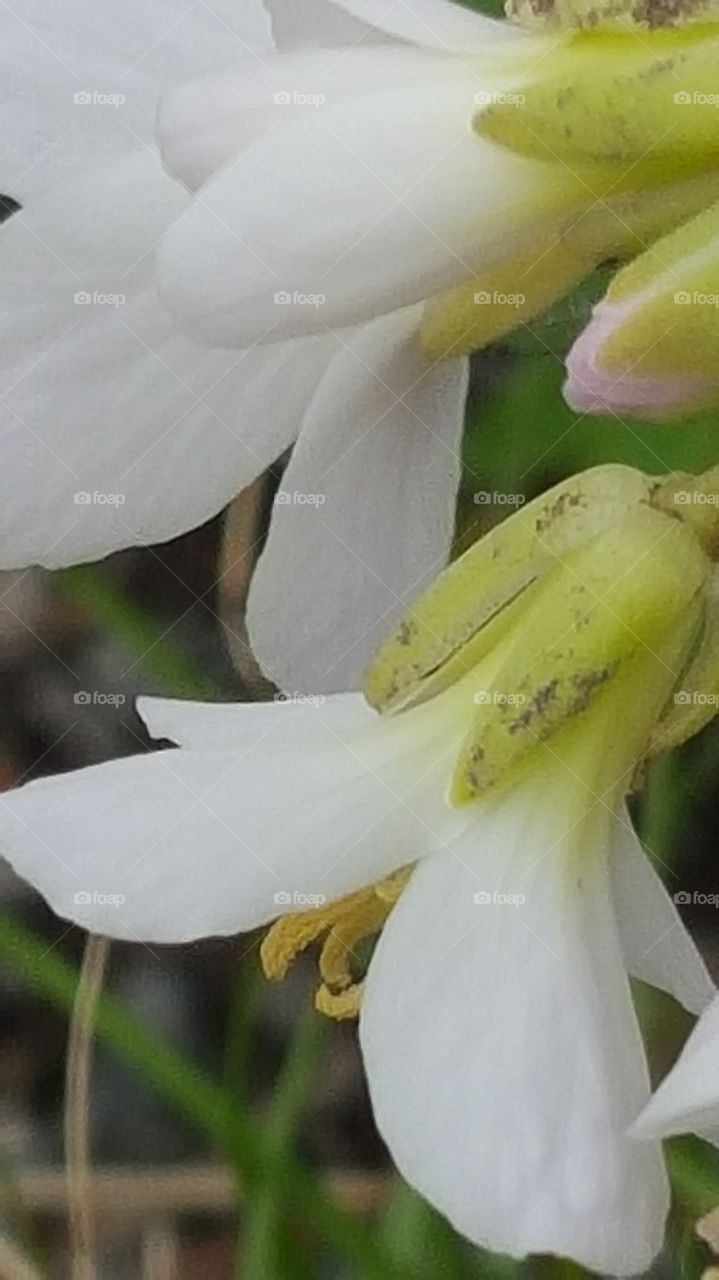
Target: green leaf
{"type": "Point", "coordinates": [266, 1251]}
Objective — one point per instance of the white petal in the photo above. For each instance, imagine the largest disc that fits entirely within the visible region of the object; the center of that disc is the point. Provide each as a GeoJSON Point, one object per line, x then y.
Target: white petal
{"type": "Point", "coordinates": [205, 123]}
{"type": "Point", "coordinates": [687, 1101]}
{"type": "Point", "coordinates": [317, 23]}
{"type": "Point", "coordinates": [129, 433]}
{"type": "Point", "coordinates": [502, 1049]}
{"type": "Point", "coordinates": [207, 842]}
{"type": "Point", "coordinates": [74, 81]}
{"type": "Point", "coordinates": [204, 726]}
{"type": "Point", "coordinates": [365, 513]}
{"type": "Point", "coordinates": [436, 23]}
{"type": "Point", "coordinates": [657, 946]}
{"type": "Point", "coordinates": [354, 210]}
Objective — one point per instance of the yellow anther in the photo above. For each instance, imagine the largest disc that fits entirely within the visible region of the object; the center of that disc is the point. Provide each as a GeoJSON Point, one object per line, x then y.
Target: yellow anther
{"type": "Point", "coordinates": [287, 938]}
{"type": "Point", "coordinates": [391, 888]}
{"type": "Point", "coordinates": [347, 922]}
{"type": "Point", "coordinates": [345, 1004]}
{"type": "Point", "coordinates": [338, 951]}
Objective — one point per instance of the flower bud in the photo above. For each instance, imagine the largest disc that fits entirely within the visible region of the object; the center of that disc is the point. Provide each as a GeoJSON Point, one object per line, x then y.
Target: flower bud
{"type": "Point", "coordinates": [652, 346]}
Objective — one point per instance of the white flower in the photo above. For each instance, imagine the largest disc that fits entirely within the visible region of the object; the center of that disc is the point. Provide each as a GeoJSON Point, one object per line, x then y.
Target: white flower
{"type": "Point", "coordinates": [501, 1046]}
{"type": "Point", "coordinates": [688, 1098]}
{"type": "Point", "coordinates": [161, 350]}
{"type": "Point", "coordinates": [116, 428]}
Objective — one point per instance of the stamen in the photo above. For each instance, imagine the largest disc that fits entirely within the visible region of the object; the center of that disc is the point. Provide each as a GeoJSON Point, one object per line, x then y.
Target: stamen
{"type": "Point", "coordinates": [287, 938]}
{"type": "Point", "coordinates": [346, 922]}
{"type": "Point", "coordinates": [344, 1005]}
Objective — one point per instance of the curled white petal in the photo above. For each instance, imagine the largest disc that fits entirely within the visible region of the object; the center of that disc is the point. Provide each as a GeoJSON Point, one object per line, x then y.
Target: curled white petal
{"type": "Point", "coordinates": [687, 1100]}
{"type": "Point", "coordinates": [364, 516]}
{"type": "Point", "coordinates": [657, 946]}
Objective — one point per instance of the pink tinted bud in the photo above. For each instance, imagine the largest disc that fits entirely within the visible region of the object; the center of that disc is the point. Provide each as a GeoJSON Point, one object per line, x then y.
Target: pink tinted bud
{"type": "Point", "coordinates": [591, 389]}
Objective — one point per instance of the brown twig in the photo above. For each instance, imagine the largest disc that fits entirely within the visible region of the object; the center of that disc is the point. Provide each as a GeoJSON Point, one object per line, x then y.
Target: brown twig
{"type": "Point", "coordinates": [77, 1109]}
{"type": "Point", "coordinates": [122, 1191]}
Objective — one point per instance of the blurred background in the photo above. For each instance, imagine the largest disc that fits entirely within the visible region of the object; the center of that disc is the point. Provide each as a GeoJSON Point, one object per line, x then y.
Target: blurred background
{"type": "Point", "coordinates": [230, 1130]}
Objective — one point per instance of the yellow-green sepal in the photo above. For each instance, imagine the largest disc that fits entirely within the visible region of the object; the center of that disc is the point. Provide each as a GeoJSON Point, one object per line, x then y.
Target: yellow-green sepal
{"type": "Point", "coordinates": [667, 309]}
{"type": "Point", "coordinates": [605, 605]}
{"type": "Point", "coordinates": [617, 15]}
{"type": "Point", "coordinates": [513, 290]}
{"type": "Point", "coordinates": [695, 698]}
{"type": "Point", "coordinates": [616, 100]}
{"type": "Point", "coordinates": [479, 598]}
{"type": "Point", "coordinates": [507, 294]}
{"type": "Point", "coordinates": [695, 501]}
